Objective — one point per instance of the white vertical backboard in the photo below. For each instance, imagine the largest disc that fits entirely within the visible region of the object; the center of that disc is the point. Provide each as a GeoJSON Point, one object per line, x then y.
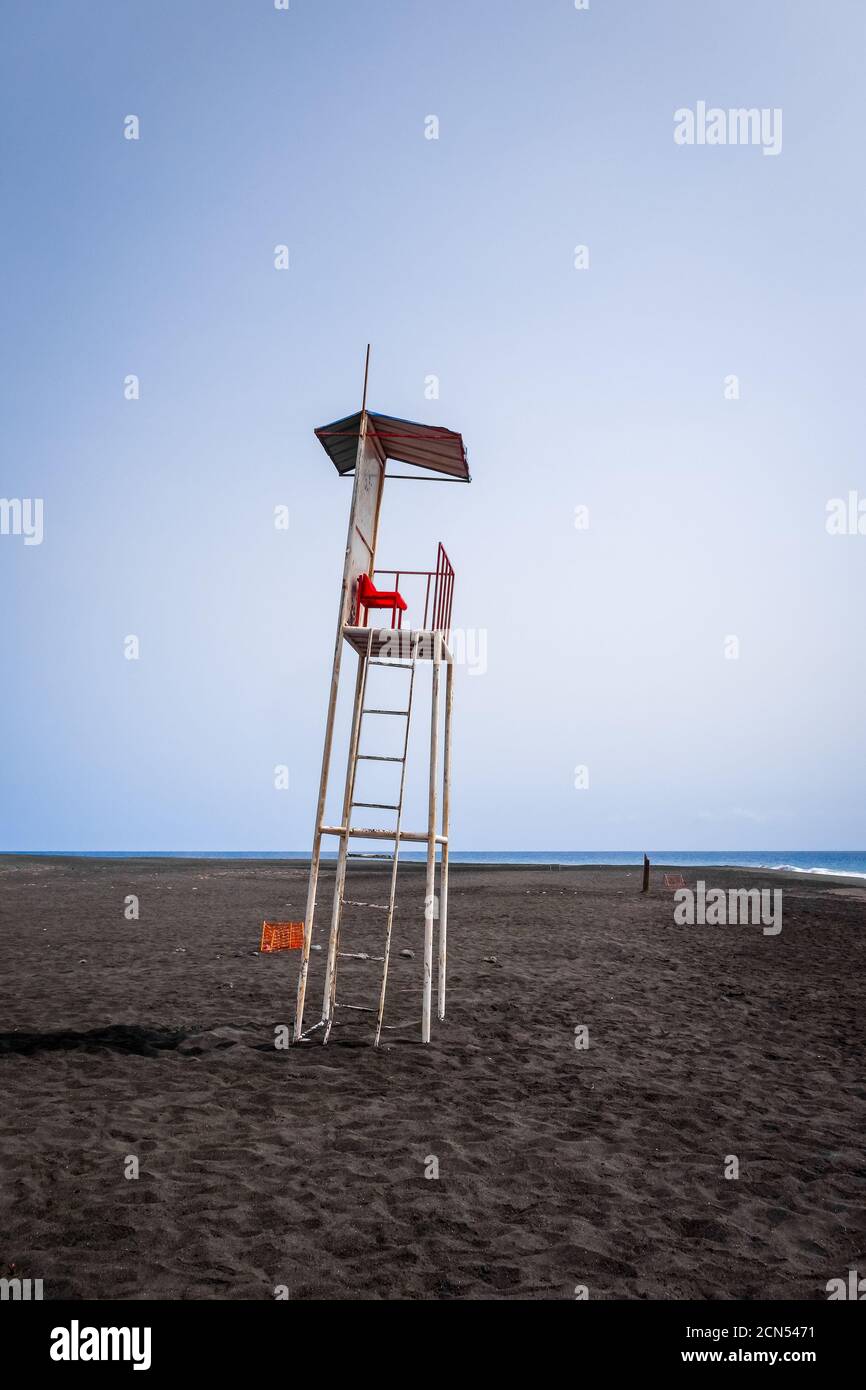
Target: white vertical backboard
{"type": "Point", "coordinates": [364, 519]}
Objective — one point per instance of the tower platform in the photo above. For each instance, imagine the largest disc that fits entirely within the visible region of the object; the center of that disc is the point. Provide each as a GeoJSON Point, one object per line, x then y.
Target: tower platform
{"type": "Point", "coordinates": [396, 644]}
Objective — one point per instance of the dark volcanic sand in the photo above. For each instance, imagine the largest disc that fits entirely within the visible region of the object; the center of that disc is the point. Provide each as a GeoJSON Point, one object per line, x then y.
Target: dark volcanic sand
{"type": "Point", "coordinates": [305, 1168]}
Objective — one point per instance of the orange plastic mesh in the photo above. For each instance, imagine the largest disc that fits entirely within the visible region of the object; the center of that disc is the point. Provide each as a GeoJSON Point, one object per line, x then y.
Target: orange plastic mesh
{"type": "Point", "coordinates": [282, 936]}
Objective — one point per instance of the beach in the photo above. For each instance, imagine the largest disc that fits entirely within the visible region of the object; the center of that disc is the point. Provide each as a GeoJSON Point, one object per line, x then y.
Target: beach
{"type": "Point", "coordinates": [566, 1133]}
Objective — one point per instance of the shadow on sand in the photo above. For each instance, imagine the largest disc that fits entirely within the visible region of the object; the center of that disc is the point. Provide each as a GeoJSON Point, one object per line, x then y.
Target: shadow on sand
{"type": "Point", "coordinates": [118, 1037]}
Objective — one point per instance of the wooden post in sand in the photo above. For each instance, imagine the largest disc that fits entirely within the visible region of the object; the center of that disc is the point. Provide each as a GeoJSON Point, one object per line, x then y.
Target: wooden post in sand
{"type": "Point", "coordinates": [646, 869]}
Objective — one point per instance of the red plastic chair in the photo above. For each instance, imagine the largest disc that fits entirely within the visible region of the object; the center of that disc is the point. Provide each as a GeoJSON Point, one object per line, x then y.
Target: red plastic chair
{"type": "Point", "coordinates": [371, 597]}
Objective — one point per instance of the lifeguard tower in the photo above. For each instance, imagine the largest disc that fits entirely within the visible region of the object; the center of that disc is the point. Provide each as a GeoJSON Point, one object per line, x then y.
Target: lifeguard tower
{"type": "Point", "coordinates": [375, 622]}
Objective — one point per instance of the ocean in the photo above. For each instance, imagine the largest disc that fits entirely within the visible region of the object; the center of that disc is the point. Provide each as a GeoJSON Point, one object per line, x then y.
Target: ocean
{"type": "Point", "coordinates": [851, 862]}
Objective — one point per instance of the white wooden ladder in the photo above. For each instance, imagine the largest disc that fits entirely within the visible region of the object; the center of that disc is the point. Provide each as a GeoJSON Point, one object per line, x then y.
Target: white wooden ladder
{"type": "Point", "coordinates": [350, 805]}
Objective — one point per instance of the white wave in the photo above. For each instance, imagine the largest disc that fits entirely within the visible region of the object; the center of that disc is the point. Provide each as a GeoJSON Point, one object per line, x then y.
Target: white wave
{"type": "Point", "coordinates": [798, 869]}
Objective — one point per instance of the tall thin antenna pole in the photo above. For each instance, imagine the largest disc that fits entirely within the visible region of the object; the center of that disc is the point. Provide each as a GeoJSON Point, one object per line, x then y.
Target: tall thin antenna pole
{"type": "Point", "coordinates": [366, 374]}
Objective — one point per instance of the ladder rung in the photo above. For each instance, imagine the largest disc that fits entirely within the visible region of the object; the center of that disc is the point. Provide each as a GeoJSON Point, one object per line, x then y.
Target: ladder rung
{"type": "Point", "coordinates": [379, 758]}
{"type": "Point", "coordinates": [393, 665]}
{"type": "Point", "coordinates": [351, 902]}
{"type": "Point", "coordinates": [404, 713]}
{"type": "Point", "coordinates": [366, 854]}
{"type": "Point", "coordinates": [376, 805]}
{"type": "Point", "coordinates": [361, 1008]}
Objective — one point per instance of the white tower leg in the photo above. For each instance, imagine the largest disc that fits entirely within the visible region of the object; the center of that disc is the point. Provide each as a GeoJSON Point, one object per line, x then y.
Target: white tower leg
{"type": "Point", "coordinates": [429, 897]}
{"type": "Point", "coordinates": [446, 817]}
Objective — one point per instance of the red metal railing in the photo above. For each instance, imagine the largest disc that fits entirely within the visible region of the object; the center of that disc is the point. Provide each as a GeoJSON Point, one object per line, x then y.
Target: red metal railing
{"type": "Point", "coordinates": [437, 604]}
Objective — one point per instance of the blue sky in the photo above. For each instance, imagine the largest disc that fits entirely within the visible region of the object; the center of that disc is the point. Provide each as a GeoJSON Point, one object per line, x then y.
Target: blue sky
{"type": "Point", "coordinates": [601, 387]}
